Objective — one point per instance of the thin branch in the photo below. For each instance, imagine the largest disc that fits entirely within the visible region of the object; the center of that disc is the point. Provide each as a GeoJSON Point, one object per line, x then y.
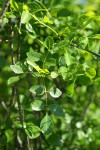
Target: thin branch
{"type": "Point", "coordinates": [77, 46]}
{"type": "Point", "coordinates": [11, 103]}
{"type": "Point", "coordinates": [86, 110]}
{"type": "Point", "coordinates": [21, 116]}
{"type": "Point", "coordinates": [19, 107]}
{"type": "Point", "coordinates": [4, 8]}
{"type": "Point", "coordinates": [11, 42]}
{"type": "Point", "coordinates": [10, 39]}
{"type": "Point", "coordinates": [18, 44]}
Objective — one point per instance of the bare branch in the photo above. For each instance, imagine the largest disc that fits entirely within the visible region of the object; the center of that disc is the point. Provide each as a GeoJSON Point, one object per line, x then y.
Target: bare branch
{"type": "Point", "coordinates": [4, 8]}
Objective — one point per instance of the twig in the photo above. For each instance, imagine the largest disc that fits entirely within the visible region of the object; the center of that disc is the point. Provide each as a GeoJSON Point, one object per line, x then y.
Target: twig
{"type": "Point", "coordinates": [11, 103]}
{"type": "Point", "coordinates": [4, 8]}
{"type": "Point", "coordinates": [27, 142]}
{"type": "Point", "coordinates": [11, 42]}
{"type": "Point", "coordinates": [86, 110]}
{"type": "Point", "coordinates": [19, 108]}
{"type": "Point", "coordinates": [18, 45]}
{"type": "Point", "coordinates": [77, 46]}
{"type": "Point", "coordinates": [10, 34]}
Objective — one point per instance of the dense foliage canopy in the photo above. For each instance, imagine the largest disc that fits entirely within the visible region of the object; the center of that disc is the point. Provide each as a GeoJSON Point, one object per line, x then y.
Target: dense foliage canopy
{"type": "Point", "coordinates": [50, 75]}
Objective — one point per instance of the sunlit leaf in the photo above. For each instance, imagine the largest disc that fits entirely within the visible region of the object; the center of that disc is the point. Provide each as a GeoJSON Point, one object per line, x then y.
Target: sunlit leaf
{"type": "Point", "coordinates": [70, 88]}
{"type": "Point", "coordinates": [49, 42]}
{"type": "Point", "coordinates": [29, 27]}
{"type": "Point", "coordinates": [47, 20]}
{"type": "Point", "coordinates": [34, 56]}
{"type": "Point", "coordinates": [96, 36]}
{"type": "Point", "coordinates": [54, 74]}
{"type": "Point", "coordinates": [16, 68]}
{"type": "Point", "coordinates": [91, 73]}
{"type": "Point", "coordinates": [55, 92]}
{"type": "Point", "coordinates": [14, 5]}
{"type": "Point", "coordinates": [32, 130]}
{"type": "Point", "coordinates": [37, 105]}
{"type": "Point", "coordinates": [68, 58]}
{"type": "Point", "coordinates": [25, 17]}
{"type": "Point", "coordinates": [37, 89]}
{"type": "Point", "coordinates": [46, 124]}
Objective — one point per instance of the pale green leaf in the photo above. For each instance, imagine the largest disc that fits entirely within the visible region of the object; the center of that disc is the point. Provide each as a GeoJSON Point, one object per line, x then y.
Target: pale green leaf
{"type": "Point", "coordinates": [34, 56]}
{"type": "Point", "coordinates": [55, 92]}
{"type": "Point", "coordinates": [37, 105]}
{"type": "Point", "coordinates": [29, 27]}
{"type": "Point", "coordinates": [54, 74]}
{"type": "Point", "coordinates": [16, 68]}
{"type": "Point", "coordinates": [68, 58]}
{"type": "Point", "coordinates": [25, 17]}
{"type": "Point", "coordinates": [37, 89]}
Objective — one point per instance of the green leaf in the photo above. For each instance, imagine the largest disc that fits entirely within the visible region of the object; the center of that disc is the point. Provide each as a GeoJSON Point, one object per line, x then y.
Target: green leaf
{"type": "Point", "coordinates": [34, 7]}
{"type": "Point", "coordinates": [25, 17]}
{"type": "Point", "coordinates": [96, 36]}
{"type": "Point", "coordinates": [50, 62]}
{"type": "Point", "coordinates": [54, 74]}
{"type": "Point", "coordinates": [49, 42]}
{"type": "Point", "coordinates": [97, 79]}
{"type": "Point", "coordinates": [83, 41]}
{"type": "Point", "coordinates": [31, 63]}
{"type": "Point", "coordinates": [63, 43]}
{"type": "Point", "coordinates": [84, 20]}
{"type": "Point", "coordinates": [70, 88]}
{"type": "Point", "coordinates": [56, 110]}
{"type": "Point", "coordinates": [29, 27]}
{"type": "Point", "coordinates": [63, 69]}
{"type": "Point", "coordinates": [85, 54]}
{"type": "Point", "coordinates": [46, 125]}
{"type": "Point", "coordinates": [34, 56]}
{"type": "Point", "coordinates": [37, 105]}
{"type": "Point", "coordinates": [13, 79]}
{"type": "Point", "coordinates": [55, 92]}
{"type": "Point", "coordinates": [14, 5]}
{"type": "Point", "coordinates": [16, 68]}
{"type": "Point", "coordinates": [68, 58]}
{"type": "Point", "coordinates": [62, 61]}
{"type": "Point", "coordinates": [37, 89]}
{"type": "Point", "coordinates": [90, 43]}
{"type": "Point", "coordinates": [47, 20]}
{"type": "Point", "coordinates": [91, 73]}
{"type": "Point", "coordinates": [54, 140]}
{"type": "Point", "coordinates": [84, 80]}
{"type": "Point", "coordinates": [32, 130]}
{"type": "Point", "coordinates": [63, 13]}
{"type": "Point", "coordinates": [9, 135]}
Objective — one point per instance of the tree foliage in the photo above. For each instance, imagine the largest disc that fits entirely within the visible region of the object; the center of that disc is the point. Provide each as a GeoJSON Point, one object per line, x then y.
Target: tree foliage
{"type": "Point", "coordinates": [49, 75]}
